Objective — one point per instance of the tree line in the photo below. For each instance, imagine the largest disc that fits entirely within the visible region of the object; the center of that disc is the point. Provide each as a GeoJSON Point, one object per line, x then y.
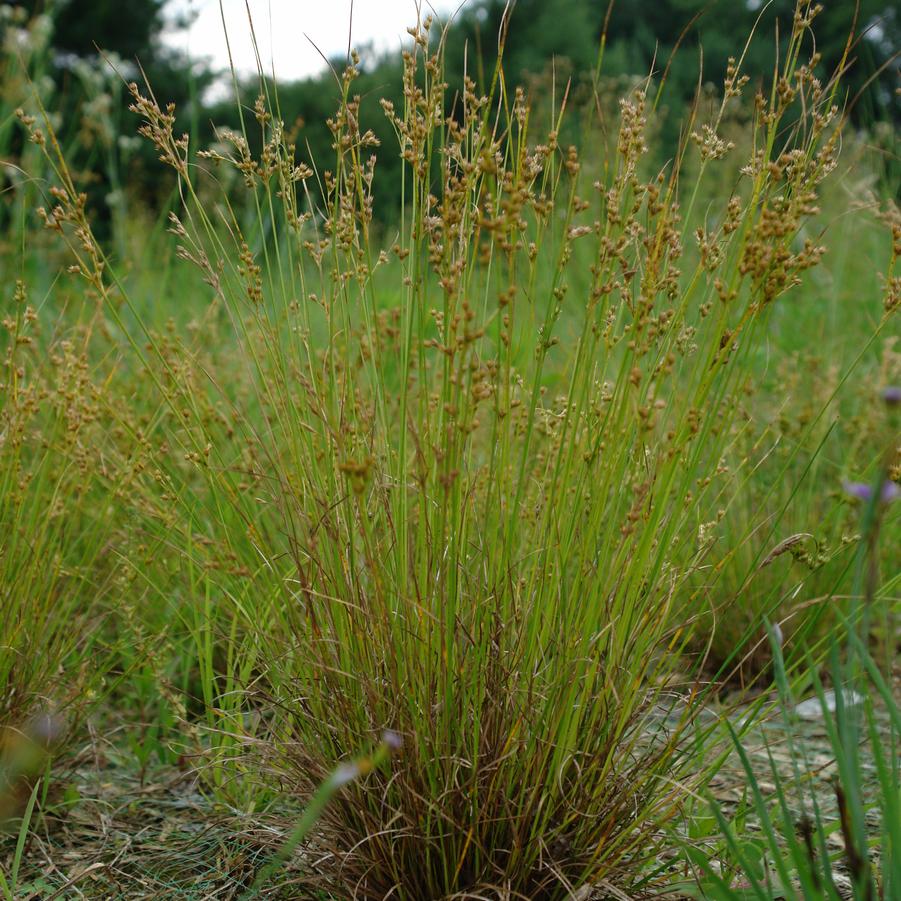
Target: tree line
{"type": "Point", "coordinates": [546, 41]}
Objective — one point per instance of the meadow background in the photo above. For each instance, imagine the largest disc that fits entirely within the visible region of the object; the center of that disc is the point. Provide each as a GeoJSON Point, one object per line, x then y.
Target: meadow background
{"type": "Point", "coordinates": [451, 475]}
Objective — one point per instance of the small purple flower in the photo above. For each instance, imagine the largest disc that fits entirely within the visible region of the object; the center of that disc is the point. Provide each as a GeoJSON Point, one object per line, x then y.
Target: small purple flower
{"type": "Point", "coordinates": [864, 492]}
{"type": "Point", "coordinates": [892, 395]}
{"type": "Point", "coordinates": [345, 773]}
{"type": "Point", "coordinates": [392, 740]}
{"type": "Point", "coordinates": [45, 729]}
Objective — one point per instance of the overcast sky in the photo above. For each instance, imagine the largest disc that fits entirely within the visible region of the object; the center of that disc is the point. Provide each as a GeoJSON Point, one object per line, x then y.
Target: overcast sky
{"type": "Point", "coordinates": [282, 27]}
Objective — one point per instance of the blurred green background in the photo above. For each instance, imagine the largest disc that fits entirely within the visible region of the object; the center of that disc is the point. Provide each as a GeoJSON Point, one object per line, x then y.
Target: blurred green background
{"type": "Point", "coordinates": [549, 44]}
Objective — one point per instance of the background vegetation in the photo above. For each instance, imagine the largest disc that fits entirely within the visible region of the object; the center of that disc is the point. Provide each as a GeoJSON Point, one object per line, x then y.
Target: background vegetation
{"type": "Point", "coordinates": [546, 40]}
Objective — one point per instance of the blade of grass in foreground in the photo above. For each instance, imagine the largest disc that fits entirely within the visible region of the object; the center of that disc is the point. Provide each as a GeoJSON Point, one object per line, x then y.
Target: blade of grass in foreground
{"type": "Point", "coordinates": [344, 774]}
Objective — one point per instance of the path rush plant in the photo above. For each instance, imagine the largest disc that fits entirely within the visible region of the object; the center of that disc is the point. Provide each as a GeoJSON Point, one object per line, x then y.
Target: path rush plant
{"type": "Point", "coordinates": [466, 479]}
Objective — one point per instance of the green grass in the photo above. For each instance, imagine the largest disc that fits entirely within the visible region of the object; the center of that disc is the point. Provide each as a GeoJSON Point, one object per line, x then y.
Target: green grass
{"type": "Point", "coordinates": [795, 851]}
{"type": "Point", "coordinates": [515, 479]}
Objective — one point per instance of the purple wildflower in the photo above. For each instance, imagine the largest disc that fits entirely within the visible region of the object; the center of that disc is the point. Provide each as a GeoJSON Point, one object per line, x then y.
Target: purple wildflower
{"type": "Point", "coordinates": [393, 740]}
{"type": "Point", "coordinates": [864, 492]}
{"type": "Point", "coordinates": [892, 395]}
{"type": "Point", "coordinates": [345, 773]}
{"type": "Point", "coordinates": [45, 729]}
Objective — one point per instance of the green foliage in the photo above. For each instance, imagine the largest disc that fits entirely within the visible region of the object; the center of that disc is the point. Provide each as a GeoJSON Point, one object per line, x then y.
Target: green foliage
{"type": "Point", "coordinates": [795, 852]}
{"type": "Point", "coordinates": [288, 476]}
{"type": "Point", "coordinates": [543, 40]}
{"type": "Point", "coordinates": [559, 41]}
{"type": "Point", "coordinates": [80, 26]}
{"type": "Point", "coordinates": [83, 52]}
